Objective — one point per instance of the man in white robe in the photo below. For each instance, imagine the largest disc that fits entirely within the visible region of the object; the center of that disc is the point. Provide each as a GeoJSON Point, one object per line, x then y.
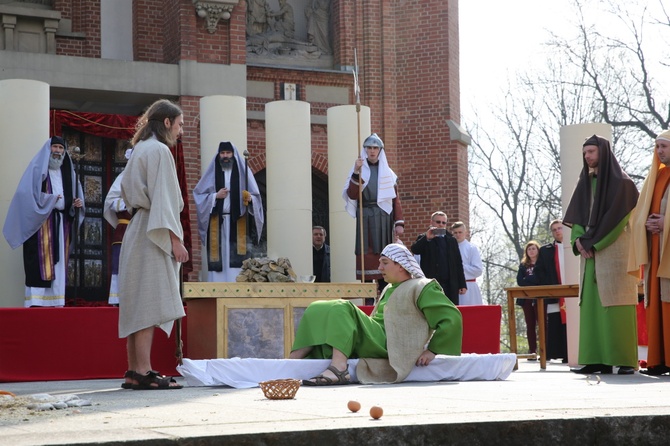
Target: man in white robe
{"type": "Point", "coordinates": [117, 215]}
{"type": "Point", "coordinates": [41, 217]}
{"type": "Point", "coordinates": [472, 265]}
{"type": "Point", "coordinates": [225, 197]}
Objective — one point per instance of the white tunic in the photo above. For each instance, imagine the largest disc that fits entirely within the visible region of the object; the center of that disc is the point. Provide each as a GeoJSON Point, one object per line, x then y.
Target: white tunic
{"type": "Point", "coordinates": [473, 268]}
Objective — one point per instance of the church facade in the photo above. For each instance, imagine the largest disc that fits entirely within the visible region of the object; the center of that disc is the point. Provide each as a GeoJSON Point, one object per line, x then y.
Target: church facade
{"type": "Point", "coordinates": [115, 57]}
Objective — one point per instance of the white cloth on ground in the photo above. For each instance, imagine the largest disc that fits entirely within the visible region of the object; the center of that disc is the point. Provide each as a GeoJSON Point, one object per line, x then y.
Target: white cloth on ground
{"type": "Point", "coordinates": [243, 373]}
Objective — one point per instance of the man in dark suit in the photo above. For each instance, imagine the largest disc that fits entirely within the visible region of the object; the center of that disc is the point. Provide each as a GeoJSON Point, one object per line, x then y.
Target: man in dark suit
{"type": "Point", "coordinates": [320, 254]}
{"type": "Point", "coordinates": [441, 258]}
{"type": "Point", "coordinates": [550, 271]}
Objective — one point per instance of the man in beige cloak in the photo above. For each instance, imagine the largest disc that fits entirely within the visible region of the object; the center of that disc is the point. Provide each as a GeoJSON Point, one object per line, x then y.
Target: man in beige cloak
{"type": "Point", "coordinates": [152, 246]}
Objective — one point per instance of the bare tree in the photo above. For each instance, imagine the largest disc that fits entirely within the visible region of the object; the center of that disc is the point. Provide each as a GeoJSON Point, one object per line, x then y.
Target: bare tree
{"type": "Point", "coordinates": [626, 85]}
{"type": "Point", "coordinates": [606, 71]}
{"type": "Point", "coordinates": [508, 174]}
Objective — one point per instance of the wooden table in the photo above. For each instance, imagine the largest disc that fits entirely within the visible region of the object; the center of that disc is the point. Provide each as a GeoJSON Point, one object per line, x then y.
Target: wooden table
{"type": "Point", "coordinates": [251, 319]}
{"type": "Point", "coordinates": [540, 293]}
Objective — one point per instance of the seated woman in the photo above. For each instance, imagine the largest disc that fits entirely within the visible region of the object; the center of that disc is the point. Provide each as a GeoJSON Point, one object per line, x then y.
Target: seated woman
{"type": "Point", "coordinates": [411, 323]}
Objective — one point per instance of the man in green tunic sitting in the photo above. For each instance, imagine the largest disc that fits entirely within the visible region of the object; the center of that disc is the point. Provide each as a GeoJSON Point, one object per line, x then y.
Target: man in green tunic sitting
{"type": "Point", "coordinates": [411, 323]}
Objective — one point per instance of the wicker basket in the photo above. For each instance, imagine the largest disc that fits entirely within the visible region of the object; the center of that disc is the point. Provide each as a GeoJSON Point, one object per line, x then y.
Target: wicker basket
{"type": "Point", "coordinates": [280, 389]}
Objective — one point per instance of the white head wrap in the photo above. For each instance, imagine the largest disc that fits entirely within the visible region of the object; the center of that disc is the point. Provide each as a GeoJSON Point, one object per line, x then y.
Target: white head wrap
{"type": "Point", "coordinates": [385, 182]}
{"type": "Point", "coordinates": [664, 135]}
{"type": "Point", "coordinates": [400, 254]}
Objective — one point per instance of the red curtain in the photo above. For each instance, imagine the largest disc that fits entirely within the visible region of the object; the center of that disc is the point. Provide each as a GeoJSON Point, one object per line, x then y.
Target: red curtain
{"type": "Point", "coordinates": [97, 124]}
{"type": "Point", "coordinates": [123, 127]}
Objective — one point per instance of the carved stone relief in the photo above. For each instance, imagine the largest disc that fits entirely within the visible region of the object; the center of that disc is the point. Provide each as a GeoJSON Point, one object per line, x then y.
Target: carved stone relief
{"type": "Point", "coordinates": [293, 32]}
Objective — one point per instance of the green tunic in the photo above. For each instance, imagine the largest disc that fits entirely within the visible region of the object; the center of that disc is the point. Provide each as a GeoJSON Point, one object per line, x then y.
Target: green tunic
{"type": "Point", "coordinates": [607, 335]}
{"type": "Point", "coordinates": [340, 324]}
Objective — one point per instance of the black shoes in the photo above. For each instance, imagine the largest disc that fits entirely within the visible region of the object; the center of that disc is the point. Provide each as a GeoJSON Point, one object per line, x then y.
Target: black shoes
{"type": "Point", "coordinates": [657, 370]}
{"type": "Point", "coordinates": [593, 368]}
{"type": "Point", "coordinates": [604, 369]}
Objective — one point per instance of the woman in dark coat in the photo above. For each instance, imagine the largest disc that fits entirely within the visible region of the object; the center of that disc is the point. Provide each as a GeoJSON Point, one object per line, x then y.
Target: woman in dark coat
{"type": "Point", "coordinates": [525, 277]}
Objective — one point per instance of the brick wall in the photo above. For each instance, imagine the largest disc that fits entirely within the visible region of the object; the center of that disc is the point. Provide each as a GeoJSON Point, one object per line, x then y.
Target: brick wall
{"type": "Point", "coordinates": [148, 32]}
{"type": "Point", "coordinates": [85, 18]}
{"type": "Point", "coordinates": [190, 105]}
{"type": "Point", "coordinates": [432, 169]}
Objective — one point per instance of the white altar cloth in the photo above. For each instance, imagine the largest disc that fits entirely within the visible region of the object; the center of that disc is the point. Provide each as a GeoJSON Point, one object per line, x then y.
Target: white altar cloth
{"type": "Point", "coordinates": [243, 373]}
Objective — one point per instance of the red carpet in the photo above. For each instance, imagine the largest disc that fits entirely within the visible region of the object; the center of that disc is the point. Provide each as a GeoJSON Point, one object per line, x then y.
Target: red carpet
{"type": "Point", "coordinates": [48, 344]}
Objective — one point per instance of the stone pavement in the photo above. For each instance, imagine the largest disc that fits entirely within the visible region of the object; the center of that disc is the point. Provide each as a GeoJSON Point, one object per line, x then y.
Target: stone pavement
{"type": "Point", "coordinates": [530, 406]}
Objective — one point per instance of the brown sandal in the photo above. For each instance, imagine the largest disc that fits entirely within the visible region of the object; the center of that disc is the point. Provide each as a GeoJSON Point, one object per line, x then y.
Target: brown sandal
{"type": "Point", "coordinates": [129, 374]}
{"type": "Point", "coordinates": [154, 381]}
{"type": "Point", "coordinates": [342, 376]}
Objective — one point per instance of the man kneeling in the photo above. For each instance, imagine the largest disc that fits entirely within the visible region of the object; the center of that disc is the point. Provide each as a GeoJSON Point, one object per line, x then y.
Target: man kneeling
{"type": "Point", "coordinates": [411, 323]}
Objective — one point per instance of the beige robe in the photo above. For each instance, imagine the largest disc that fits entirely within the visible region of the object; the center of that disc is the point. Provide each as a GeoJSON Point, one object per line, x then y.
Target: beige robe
{"type": "Point", "coordinates": [148, 273]}
{"type": "Point", "coordinates": [614, 288]}
{"type": "Point", "coordinates": [407, 334]}
{"type": "Point", "coordinates": [639, 254]}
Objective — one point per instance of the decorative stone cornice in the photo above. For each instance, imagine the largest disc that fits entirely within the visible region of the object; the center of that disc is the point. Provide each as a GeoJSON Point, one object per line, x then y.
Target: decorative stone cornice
{"type": "Point", "coordinates": [213, 10]}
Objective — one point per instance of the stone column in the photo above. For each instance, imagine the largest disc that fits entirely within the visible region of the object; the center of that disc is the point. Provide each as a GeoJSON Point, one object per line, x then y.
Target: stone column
{"type": "Point", "coordinates": [50, 29]}
{"type": "Point", "coordinates": [344, 147]}
{"type": "Point", "coordinates": [222, 118]}
{"type": "Point", "coordinates": [9, 26]}
{"type": "Point", "coordinates": [572, 138]}
{"type": "Point", "coordinates": [24, 126]}
{"type": "Point", "coordinates": [288, 153]}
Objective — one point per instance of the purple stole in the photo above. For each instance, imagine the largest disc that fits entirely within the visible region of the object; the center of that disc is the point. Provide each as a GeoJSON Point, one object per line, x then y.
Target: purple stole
{"type": "Point", "coordinates": [47, 240]}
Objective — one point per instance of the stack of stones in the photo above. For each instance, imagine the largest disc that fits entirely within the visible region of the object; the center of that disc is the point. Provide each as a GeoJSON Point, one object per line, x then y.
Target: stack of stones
{"type": "Point", "coordinates": [266, 270]}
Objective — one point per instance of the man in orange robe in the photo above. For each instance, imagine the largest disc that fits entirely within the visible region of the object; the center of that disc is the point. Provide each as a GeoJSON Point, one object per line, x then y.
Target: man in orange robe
{"type": "Point", "coordinates": [649, 248]}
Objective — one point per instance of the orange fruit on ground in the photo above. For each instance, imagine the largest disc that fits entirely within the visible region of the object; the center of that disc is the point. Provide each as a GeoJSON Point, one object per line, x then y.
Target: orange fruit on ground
{"type": "Point", "coordinates": [354, 406]}
{"type": "Point", "coordinates": [376, 412]}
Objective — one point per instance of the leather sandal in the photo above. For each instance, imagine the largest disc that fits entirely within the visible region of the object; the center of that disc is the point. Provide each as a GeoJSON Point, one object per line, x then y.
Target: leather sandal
{"type": "Point", "coordinates": [342, 376]}
{"type": "Point", "coordinates": [131, 375]}
{"type": "Point", "coordinates": [154, 381]}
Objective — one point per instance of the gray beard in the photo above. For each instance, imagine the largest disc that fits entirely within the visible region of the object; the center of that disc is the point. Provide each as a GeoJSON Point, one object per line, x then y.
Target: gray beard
{"type": "Point", "coordinates": [55, 163]}
{"type": "Point", "coordinates": [226, 166]}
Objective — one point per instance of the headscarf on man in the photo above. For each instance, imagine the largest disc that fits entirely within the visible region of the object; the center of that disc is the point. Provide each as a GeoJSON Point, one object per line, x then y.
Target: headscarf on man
{"type": "Point", "coordinates": [400, 254]}
{"type": "Point", "coordinates": [386, 181]}
{"type": "Point", "coordinates": [207, 186]}
{"type": "Point", "coordinates": [30, 207]}
{"type": "Point", "coordinates": [639, 248]}
{"type": "Point", "coordinates": [615, 196]}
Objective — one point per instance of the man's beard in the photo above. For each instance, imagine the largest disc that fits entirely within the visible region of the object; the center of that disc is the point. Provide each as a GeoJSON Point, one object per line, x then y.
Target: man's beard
{"type": "Point", "coordinates": [55, 163]}
{"type": "Point", "coordinates": [226, 163]}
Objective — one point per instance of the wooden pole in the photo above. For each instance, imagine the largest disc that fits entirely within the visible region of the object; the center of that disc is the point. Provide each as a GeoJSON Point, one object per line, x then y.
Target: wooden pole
{"type": "Point", "coordinates": [361, 245]}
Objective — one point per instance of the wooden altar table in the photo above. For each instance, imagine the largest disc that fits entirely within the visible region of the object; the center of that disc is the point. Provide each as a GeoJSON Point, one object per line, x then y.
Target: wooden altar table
{"type": "Point", "coordinates": [540, 293]}
{"type": "Point", "coordinates": [252, 319]}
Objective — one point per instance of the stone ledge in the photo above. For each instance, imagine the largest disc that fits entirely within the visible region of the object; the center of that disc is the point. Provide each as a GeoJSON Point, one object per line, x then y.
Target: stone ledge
{"type": "Point", "coordinates": [200, 290]}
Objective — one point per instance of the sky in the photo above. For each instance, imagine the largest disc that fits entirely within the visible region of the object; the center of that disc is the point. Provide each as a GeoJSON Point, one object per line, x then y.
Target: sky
{"type": "Point", "coordinates": [499, 38]}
